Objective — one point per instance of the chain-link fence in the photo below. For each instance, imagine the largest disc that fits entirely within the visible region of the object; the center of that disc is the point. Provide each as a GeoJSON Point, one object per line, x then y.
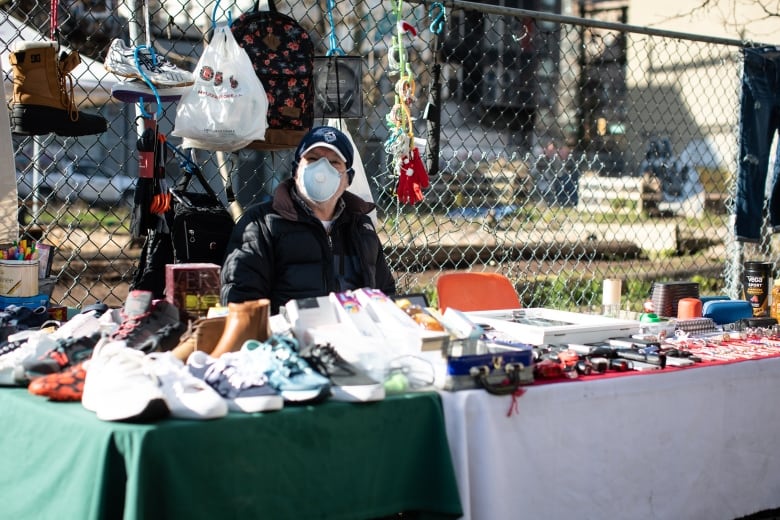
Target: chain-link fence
{"type": "Point", "coordinates": [569, 149]}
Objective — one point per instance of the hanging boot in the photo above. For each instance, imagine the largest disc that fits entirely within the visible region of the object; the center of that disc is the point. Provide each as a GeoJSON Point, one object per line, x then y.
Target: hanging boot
{"type": "Point", "coordinates": [246, 320]}
{"type": "Point", "coordinates": [43, 93]}
{"type": "Point", "coordinates": [204, 334]}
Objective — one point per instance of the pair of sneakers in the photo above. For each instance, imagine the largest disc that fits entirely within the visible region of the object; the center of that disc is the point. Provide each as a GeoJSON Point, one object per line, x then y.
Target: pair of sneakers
{"type": "Point", "coordinates": [261, 376]}
{"type": "Point", "coordinates": [147, 324]}
{"type": "Point", "coordinates": [59, 374]}
{"type": "Point", "coordinates": [143, 324]}
{"type": "Point", "coordinates": [239, 378]}
{"type": "Point", "coordinates": [349, 382]}
{"type": "Point", "coordinates": [49, 350]}
{"type": "Point", "coordinates": [15, 318]}
{"type": "Point", "coordinates": [73, 343]}
{"type": "Point", "coordinates": [142, 63]}
{"type": "Point", "coordinates": [125, 384]}
{"type": "Point", "coordinates": [317, 372]}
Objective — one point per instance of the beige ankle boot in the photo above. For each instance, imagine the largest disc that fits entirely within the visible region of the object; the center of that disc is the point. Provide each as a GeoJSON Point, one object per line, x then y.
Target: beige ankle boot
{"type": "Point", "coordinates": [43, 92]}
{"type": "Point", "coordinates": [246, 320]}
{"type": "Point", "coordinates": [203, 334]}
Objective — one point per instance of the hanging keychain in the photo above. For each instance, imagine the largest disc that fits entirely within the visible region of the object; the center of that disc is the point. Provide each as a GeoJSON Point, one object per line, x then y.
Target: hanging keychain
{"type": "Point", "coordinates": [405, 157]}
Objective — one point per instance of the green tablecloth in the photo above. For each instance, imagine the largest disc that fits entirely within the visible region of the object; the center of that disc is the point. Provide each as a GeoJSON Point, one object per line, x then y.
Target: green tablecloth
{"type": "Point", "coordinates": [332, 460]}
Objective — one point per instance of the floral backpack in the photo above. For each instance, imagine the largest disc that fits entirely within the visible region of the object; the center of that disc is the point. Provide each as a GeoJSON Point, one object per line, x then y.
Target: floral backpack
{"type": "Point", "coordinates": [282, 54]}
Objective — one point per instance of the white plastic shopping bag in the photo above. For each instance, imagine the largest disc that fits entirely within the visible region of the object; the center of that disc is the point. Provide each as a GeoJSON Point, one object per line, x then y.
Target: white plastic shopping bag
{"type": "Point", "coordinates": [359, 184]}
{"type": "Point", "coordinates": [226, 108]}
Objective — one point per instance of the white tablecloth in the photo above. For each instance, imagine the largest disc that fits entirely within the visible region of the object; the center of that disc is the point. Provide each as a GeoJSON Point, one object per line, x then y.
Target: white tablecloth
{"type": "Point", "coordinates": [702, 443]}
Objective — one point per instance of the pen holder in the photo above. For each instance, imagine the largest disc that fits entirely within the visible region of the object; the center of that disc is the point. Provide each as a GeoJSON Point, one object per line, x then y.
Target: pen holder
{"type": "Point", "coordinates": [18, 278]}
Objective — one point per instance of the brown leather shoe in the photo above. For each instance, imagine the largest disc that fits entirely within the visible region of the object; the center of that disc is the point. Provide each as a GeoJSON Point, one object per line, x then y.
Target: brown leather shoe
{"type": "Point", "coordinates": [203, 334]}
{"type": "Point", "coordinates": [245, 320]}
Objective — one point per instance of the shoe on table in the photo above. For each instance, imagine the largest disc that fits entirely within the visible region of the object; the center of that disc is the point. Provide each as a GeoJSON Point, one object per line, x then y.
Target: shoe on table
{"type": "Point", "coordinates": [121, 60]}
{"type": "Point", "coordinates": [120, 385]}
{"type": "Point", "coordinates": [67, 352]}
{"type": "Point", "coordinates": [186, 396]}
{"type": "Point", "coordinates": [348, 381]}
{"type": "Point", "coordinates": [15, 318]}
{"type": "Point", "coordinates": [67, 385]}
{"type": "Point", "coordinates": [73, 342]}
{"type": "Point", "coordinates": [238, 378]}
{"type": "Point", "coordinates": [30, 345]}
{"type": "Point", "coordinates": [149, 325]}
{"type": "Point", "coordinates": [287, 371]}
{"type": "Point", "coordinates": [14, 342]}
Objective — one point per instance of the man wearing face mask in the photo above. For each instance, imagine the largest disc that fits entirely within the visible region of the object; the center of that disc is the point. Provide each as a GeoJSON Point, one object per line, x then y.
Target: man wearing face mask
{"type": "Point", "coordinates": [314, 237]}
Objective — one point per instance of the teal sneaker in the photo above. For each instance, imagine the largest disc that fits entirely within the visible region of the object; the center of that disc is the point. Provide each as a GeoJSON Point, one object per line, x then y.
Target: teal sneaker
{"type": "Point", "coordinates": [287, 371]}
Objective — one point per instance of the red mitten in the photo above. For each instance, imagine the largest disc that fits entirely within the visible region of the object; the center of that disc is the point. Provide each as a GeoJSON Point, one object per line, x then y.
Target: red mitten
{"type": "Point", "coordinates": [420, 172]}
{"type": "Point", "coordinates": [408, 188]}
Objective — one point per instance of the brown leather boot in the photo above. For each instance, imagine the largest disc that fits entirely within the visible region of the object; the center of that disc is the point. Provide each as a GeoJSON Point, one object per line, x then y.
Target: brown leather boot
{"type": "Point", "coordinates": [203, 334]}
{"type": "Point", "coordinates": [246, 320]}
{"type": "Point", "coordinates": [43, 92]}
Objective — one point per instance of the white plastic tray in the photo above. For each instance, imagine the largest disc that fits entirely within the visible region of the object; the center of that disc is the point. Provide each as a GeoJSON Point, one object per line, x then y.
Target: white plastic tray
{"type": "Point", "coordinates": [540, 326]}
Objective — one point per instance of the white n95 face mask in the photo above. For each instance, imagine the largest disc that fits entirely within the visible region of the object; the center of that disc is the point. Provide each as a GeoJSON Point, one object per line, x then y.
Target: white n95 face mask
{"type": "Point", "coordinates": [320, 180]}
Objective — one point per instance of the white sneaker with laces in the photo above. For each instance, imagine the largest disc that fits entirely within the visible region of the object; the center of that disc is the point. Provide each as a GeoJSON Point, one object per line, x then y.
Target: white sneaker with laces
{"type": "Point", "coordinates": [36, 343]}
{"type": "Point", "coordinates": [187, 396]}
{"type": "Point", "coordinates": [238, 379]}
{"type": "Point", "coordinates": [121, 60]}
{"type": "Point", "coordinates": [120, 385]}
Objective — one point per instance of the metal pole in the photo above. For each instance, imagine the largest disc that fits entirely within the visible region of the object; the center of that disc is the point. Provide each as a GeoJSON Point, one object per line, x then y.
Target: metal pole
{"type": "Point", "coordinates": [587, 22]}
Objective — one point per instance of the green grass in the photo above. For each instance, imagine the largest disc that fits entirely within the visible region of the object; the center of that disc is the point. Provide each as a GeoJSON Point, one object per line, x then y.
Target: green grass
{"type": "Point", "coordinates": [115, 219]}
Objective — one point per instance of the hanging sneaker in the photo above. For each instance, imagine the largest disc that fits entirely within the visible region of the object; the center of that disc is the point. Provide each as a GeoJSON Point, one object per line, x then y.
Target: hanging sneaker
{"type": "Point", "coordinates": [238, 378]}
{"type": "Point", "coordinates": [135, 90]}
{"type": "Point", "coordinates": [186, 396]}
{"type": "Point", "coordinates": [67, 385]}
{"type": "Point", "coordinates": [288, 372]}
{"type": "Point", "coordinates": [121, 60]}
{"type": "Point", "coordinates": [120, 385]}
{"type": "Point", "coordinates": [149, 325]}
{"type": "Point", "coordinates": [348, 381]}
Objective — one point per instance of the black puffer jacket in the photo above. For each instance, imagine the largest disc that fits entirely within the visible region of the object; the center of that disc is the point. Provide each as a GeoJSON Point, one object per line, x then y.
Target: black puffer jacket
{"type": "Point", "coordinates": [279, 251]}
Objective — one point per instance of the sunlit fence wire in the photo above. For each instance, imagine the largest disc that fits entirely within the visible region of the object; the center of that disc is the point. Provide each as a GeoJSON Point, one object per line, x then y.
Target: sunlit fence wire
{"type": "Point", "coordinates": [569, 149]}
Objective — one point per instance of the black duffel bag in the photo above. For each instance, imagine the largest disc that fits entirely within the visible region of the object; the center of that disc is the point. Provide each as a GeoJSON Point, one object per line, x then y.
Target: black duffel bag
{"type": "Point", "coordinates": [196, 229]}
{"type": "Point", "coordinates": [200, 227]}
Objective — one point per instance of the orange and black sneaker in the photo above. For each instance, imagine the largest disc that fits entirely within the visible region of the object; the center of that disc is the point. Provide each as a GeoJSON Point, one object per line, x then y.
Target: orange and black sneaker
{"type": "Point", "coordinates": [67, 385]}
{"type": "Point", "coordinates": [66, 353]}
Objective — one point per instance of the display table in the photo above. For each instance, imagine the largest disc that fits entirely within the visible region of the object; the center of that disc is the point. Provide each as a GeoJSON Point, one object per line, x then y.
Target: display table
{"type": "Point", "coordinates": [332, 460]}
{"type": "Point", "coordinates": [700, 443]}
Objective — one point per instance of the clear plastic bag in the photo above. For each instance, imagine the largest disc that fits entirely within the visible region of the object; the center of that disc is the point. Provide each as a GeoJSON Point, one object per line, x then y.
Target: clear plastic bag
{"type": "Point", "coordinates": [227, 107]}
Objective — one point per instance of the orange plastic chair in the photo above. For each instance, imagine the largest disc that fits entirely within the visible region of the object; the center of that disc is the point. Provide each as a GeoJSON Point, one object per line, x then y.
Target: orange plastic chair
{"type": "Point", "coordinates": [466, 292]}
